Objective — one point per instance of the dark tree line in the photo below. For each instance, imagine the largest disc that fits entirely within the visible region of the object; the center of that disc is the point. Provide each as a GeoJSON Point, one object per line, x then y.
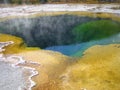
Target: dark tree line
{"type": "Point", "coordinates": [23, 1]}
{"type": "Point", "coordinates": [109, 1]}
{"type": "Point", "coordinates": [52, 1]}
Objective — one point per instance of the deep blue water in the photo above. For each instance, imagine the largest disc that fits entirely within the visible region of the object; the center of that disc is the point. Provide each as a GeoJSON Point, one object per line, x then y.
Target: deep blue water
{"type": "Point", "coordinates": [78, 49]}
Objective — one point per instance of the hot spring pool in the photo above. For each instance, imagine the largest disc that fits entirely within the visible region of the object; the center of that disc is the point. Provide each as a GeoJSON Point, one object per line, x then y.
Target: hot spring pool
{"type": "Point", "coordinates": [68, 34]}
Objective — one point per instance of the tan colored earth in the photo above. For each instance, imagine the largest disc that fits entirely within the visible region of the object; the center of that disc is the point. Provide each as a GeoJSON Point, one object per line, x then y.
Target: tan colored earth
{"type": "Point", "coordinates": [98, 69]}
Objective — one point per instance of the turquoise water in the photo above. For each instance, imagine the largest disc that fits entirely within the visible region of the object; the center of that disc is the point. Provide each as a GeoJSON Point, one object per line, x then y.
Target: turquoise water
{"type": "Point", "coordinates": [68, 34]}
{"type": "Point", "coordinates": [101, 32]}
{"type": "Point", "coordinates": [78, 49]}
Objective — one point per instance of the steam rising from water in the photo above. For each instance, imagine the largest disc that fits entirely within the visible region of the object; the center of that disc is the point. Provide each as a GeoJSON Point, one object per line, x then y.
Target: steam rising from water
{"type": "Point", "coordinates": [44, 31]}
{"type": "Point", "coordinates": [56, 31]}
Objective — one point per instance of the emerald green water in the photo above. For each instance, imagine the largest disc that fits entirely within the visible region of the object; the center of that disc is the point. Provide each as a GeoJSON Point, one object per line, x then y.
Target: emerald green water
{"type": "Point", "coordinates": [68, 34]}
{"type": "Point", "coordinates": [95, 30]}
{"type": "Point", "coordinates": [100, 32]}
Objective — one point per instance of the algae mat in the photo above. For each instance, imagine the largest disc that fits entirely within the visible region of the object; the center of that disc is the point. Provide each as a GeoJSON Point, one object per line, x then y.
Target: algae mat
{"type": "Point", "coordinates": [98, 69]}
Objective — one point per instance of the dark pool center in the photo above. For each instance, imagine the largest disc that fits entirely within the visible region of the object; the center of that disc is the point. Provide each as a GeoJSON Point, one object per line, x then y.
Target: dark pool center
{"type": "Point", "coordinates": [68, 34]}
